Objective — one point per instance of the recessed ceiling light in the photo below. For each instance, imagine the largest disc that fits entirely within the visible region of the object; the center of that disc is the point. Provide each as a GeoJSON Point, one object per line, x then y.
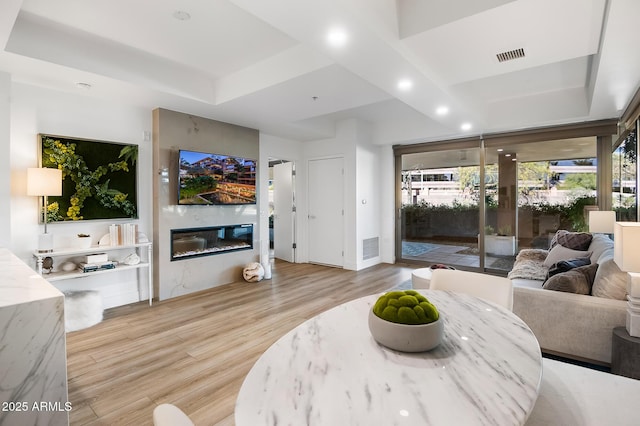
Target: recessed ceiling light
{"type": "Point", "coordinates": [442, 110]}
{"type": "Point", "coordinates": [83, 86]}
{"type": "Point", "coordinates": [181, 15]}
{"type": "Point", "coordinates": [507, 155]}
{"type": "Point", "coordinates": [405, 84]}
{"type": "Point", "coordinates": [466, 126]}
{"type": "Point", "coordinates": [500, 149]}
{"type": "Point", "coordinates": [513, 159]}
{"type": "Point", "coordinates": [337, 37]}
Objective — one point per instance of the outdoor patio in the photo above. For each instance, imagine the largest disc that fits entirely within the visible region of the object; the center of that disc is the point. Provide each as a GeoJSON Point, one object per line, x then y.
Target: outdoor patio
{"type": "Point", "coordinates": [452, 254]}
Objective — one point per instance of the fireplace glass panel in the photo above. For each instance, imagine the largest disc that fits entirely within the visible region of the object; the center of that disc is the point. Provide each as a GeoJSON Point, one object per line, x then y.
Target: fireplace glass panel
{"type": "Point", "coordinates": [196, 242]}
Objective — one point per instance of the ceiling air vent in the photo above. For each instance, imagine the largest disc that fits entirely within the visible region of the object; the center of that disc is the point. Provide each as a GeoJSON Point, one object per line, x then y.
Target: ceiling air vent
{"type": "Point", "coordinates": [510, 55]}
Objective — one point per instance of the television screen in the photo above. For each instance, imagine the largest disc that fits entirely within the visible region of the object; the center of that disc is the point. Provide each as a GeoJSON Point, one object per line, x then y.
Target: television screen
{"type": "Point", "coordinates": [215, 179]}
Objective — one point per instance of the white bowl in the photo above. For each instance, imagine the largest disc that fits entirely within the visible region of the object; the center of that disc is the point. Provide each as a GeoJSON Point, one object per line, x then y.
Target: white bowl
{"type": "Point", "coordinates": [406, 337]}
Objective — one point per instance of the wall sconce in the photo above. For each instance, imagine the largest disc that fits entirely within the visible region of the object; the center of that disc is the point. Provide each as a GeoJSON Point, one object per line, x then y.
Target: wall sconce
{"type": "Point", "coordinates": [626, 254]}
{"type": "Point", "coordinates": [44, 182]}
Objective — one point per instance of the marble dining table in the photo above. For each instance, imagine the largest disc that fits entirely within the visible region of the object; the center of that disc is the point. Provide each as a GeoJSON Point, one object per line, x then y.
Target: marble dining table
{"type": "Point", "coordinates": [330, 371]}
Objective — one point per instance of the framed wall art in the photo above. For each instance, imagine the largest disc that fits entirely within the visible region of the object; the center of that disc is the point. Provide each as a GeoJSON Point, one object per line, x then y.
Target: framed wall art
{"type": "Point", "coordinates": [99, 179]}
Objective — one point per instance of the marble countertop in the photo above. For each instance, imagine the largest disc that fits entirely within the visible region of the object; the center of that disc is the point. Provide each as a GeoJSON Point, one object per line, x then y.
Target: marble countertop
{"type": "Point", "coordinates": [330, 371]}
{"type": "Point", "coordinates": [21, 284]}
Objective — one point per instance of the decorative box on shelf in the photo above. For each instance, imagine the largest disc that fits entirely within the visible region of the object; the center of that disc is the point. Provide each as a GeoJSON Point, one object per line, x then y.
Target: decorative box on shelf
{"type": "Point", "coordinates": [96, 258]}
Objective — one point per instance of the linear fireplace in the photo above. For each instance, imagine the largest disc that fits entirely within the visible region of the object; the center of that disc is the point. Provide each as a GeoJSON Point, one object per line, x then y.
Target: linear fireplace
{"type": "Point", "coordinates": [196, 242]}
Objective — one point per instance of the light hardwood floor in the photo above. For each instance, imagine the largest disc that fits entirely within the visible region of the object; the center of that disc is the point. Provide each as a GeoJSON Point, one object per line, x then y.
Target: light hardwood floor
{"type": "Point", "coordinates": [194, 351]}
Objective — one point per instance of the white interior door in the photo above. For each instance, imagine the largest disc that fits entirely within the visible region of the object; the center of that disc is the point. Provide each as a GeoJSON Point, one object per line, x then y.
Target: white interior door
{"type": "Point", "coordinates": [326, 211]}
{"type": "Point", "coordinates": [283, 214]}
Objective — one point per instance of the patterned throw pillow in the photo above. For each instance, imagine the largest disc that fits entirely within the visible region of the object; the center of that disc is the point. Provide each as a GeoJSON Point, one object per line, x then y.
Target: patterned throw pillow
{"type": "Point", "coordinates": [578, 280]}
{"type": "Point", "coordinates": [572, 240]}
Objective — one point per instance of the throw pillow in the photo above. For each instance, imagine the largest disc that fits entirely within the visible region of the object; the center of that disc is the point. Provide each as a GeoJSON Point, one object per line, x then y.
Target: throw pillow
{"type": "Point", "coordinates": [578, 280]}
{"type": "Point", "coordinates": [610, 281]}
{"type": "Point", "coordinates": [572, 240]}
{"type": "Point", "coordinates": [533, 255]}
{"type": "Point", "coordinates": [602, 248]}
{"type": "Point", "coordinates": [567, 265]}
{"type": "Point", "coordinates": [560, 252]}
{"type": "Point", "coordinates": [528, 265]}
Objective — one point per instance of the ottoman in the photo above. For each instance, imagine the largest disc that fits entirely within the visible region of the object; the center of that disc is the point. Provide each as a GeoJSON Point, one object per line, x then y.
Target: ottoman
{"type": "Point", "coordinates": [82, 309]}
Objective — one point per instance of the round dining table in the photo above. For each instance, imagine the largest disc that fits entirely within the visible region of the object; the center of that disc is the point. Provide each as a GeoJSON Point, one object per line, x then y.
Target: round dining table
{"type": "Point", "coordinates": [330, 371]}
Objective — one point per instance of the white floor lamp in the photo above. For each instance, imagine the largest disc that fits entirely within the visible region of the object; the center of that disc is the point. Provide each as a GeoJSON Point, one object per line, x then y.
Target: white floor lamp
{"type": "Point", "coordinates": [44, 182]}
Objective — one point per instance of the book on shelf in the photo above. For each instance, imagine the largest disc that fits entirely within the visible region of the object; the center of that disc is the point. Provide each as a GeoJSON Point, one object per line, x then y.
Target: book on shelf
{"type": "Point", "coordinates": [90, 267]}
{"type": "Point", "coordinates": [124, 234]}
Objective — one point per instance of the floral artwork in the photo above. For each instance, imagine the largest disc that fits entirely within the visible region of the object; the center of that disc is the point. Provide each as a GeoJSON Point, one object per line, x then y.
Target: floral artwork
{"type": "Point", "coordinates": [98, 178]}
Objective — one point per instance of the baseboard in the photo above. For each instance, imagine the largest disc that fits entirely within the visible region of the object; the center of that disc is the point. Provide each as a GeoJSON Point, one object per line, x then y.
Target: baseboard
{"type": "Point", "coordinates": [119, 299]}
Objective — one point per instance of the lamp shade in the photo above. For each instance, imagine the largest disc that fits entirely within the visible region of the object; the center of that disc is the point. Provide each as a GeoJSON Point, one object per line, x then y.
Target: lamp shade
{"type": "Point", "coordinates": [626, 246]}
{"type": "Point", "coordinates": [44, 181]}
{"type": "Point", "coordinates": [602, 221]}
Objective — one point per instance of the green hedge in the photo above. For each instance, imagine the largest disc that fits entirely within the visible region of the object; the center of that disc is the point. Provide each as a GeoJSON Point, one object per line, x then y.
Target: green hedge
{"type": "Point", "coordinates": [424, 220]}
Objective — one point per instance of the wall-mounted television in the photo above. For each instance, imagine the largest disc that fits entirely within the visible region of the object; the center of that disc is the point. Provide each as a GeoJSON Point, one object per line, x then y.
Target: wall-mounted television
{"type": "Point", "coordinates": [215, 179]}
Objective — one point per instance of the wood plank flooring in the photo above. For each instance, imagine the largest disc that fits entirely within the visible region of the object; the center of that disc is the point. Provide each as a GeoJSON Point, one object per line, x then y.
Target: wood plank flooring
{"type": "Point", "coordinates": [194, 351]}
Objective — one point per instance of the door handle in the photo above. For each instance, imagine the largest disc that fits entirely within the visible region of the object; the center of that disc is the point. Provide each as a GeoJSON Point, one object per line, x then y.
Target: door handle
{"type": "Point", "coordinates": [311, 216]}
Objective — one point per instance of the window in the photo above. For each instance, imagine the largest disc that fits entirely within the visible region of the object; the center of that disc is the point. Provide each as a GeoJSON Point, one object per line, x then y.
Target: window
{"type": "Point", "coordinates": [439, 212]}
{"type": "Point", "coordinates": [624, 166]}
{"type": "Point", "coordinates": [513, 194]}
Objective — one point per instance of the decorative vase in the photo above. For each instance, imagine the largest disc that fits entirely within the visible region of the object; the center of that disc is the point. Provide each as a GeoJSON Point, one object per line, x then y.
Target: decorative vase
{"type": "Point", "coordinates": [83, 242]}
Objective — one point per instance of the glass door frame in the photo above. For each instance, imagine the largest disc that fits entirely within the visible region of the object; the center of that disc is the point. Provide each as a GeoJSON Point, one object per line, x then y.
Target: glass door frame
{"type": "Point", "coordinates": [602, 129]}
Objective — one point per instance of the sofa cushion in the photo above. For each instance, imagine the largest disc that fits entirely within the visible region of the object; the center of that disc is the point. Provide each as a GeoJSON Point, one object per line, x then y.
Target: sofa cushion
{"type": "Point", "coordinates": [567, 265]}
{"type": "Point", "coordinates": [578, 280]}
{"type": "Point", "coordinates": [572, 240]}
{"type": "Point", "coordinates": [610, 282]}
{"type": "Point", "coordinates": [560, 252]}
{"type": "Point", "coordinates": [601, 246]}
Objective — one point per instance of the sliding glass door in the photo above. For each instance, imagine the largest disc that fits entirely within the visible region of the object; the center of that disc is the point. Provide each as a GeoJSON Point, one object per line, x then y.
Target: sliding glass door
{"type": "Point", "coordinates": [542, 187]}
{"type": "Point", "coordinates": [625, 166]}
{"type": "Point", "coordinates": [474, 203]}
{"type": "Point", "coordinates": [439, 210]}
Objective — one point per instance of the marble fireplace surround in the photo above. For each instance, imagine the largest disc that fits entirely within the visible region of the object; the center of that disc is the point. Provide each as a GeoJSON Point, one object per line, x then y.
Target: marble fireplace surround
{"type": "Point", "coordinates": [173, 131]}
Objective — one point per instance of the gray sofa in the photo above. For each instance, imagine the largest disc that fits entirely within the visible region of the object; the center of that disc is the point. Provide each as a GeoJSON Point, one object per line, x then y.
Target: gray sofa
{"type": "Point", "coordinates": [576, 326]}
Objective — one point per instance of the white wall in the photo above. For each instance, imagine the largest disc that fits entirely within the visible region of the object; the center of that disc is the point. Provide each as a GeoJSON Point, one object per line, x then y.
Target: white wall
{"type": "Point", "coordinates": [343, 145]}
{"type": "Point", "coordinates": [368, 197]}
{"type": "Point", "coordinates": [363, 181]}
{"type": "Point", "coordinates": [5, 165]}
{"type": "Point", "coordinates": [386, 168]}
{"type": "Point", "coordinates": [37, 110]}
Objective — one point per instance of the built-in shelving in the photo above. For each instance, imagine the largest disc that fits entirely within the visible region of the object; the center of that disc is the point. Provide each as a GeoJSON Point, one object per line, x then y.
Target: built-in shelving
{"type": "Point", "coordinates": [76, 274]}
